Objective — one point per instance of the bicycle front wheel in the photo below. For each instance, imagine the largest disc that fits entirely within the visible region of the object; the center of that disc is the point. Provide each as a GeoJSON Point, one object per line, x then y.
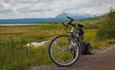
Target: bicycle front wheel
{"type": "Point", "coordinates": [63, 51]}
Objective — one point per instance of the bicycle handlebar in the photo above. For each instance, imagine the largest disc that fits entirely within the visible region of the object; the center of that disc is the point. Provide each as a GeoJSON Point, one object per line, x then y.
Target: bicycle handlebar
{"type": "Point", "coordinates": [70, 22]}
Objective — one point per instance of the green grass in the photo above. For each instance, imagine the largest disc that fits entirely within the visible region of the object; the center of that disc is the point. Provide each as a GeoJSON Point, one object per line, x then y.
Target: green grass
{"type": "Point", "coordinates": [13, 53]}
{"type": "Point", "coordinates": [15, 56]}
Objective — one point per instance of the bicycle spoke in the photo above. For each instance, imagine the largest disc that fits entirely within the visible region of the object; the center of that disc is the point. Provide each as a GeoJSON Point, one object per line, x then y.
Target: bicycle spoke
{"type": "Point", "coordinates": [63, 51]}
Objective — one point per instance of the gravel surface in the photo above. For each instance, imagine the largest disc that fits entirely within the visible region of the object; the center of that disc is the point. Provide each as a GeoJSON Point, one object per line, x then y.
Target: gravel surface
{"type": "Point", "coordinates": [103, 59]}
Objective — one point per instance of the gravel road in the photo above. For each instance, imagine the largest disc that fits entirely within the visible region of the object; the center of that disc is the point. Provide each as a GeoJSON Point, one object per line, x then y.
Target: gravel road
{"type": "Point", "coordinates": [103, 59]}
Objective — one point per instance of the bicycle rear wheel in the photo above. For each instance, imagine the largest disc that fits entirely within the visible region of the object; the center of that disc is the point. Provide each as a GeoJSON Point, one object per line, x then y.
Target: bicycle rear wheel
{"type": "Point", "coordinates": [62, 51]}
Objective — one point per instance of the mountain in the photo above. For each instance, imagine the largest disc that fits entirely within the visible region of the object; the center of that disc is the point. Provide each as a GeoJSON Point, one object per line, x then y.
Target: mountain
{"type": "Point", "coordinates": [27, 20]}
{"type": "Point", "coordinates": [60, 17]}
{"type": "Point", "coordinates": [74, 16]}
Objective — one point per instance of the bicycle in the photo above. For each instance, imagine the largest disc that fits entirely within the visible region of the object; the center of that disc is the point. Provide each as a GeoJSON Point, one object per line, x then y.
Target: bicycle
{"type": "Point", "coordinates": [64, 50]}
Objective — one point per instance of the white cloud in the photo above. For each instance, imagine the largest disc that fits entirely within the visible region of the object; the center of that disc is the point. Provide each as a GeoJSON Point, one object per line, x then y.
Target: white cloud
{"type": "Point", "coordinates": [51, 8]}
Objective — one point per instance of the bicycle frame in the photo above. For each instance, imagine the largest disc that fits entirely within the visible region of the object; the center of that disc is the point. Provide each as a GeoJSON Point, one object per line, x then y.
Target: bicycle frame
{"type": "Point", "coordinates": [76, 36]}
{"type": "Point", "coordinates": [76, 32]}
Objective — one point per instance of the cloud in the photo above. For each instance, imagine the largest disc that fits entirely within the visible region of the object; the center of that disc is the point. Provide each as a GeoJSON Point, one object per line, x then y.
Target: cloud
{"type": "Point", "coordinates": [51, 8]}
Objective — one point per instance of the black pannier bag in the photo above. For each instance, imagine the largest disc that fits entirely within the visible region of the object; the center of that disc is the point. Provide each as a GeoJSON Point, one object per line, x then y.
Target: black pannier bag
{"type": "Point", "coordinates": [86, 48]}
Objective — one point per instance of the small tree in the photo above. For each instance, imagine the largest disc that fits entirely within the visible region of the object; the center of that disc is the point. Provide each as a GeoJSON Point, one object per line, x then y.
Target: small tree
{"type": "Point", "coordinates": [107, 30]}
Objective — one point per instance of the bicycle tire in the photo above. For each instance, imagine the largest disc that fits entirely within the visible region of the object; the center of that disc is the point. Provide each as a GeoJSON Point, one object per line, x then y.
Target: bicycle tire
{"type": "Point", "coordinates": [75, 52]}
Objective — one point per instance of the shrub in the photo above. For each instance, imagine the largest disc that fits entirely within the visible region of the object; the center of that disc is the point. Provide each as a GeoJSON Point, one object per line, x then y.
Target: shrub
{"type": "Point", "coordinates": [107, 28]}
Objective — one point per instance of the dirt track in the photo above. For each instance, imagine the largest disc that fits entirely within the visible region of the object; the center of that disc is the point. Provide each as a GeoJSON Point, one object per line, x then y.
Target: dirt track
{"type": "Point", "coordinates": [104, 59]}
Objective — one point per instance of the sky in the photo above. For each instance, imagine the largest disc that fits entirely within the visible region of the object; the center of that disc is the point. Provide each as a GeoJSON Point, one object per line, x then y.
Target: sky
{"type": "Point", "coordinates": [10, 9]}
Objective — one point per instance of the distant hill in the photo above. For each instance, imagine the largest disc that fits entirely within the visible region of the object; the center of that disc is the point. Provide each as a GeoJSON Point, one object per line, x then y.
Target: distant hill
{"type": "Point", "coordinates": [60, 17]}
{"type": "Point", "coordinates": [75, 16]}
{"type": "Point", "coordinates": [28, 20]}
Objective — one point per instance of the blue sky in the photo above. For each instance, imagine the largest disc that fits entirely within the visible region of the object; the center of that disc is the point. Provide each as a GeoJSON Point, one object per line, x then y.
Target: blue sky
{"type": "Point", "coordinates": [51, 8]}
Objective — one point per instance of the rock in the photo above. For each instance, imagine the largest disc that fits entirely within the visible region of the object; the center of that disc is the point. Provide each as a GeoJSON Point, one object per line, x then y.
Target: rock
{"type": "Point", "coordinates": [37, 44]}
